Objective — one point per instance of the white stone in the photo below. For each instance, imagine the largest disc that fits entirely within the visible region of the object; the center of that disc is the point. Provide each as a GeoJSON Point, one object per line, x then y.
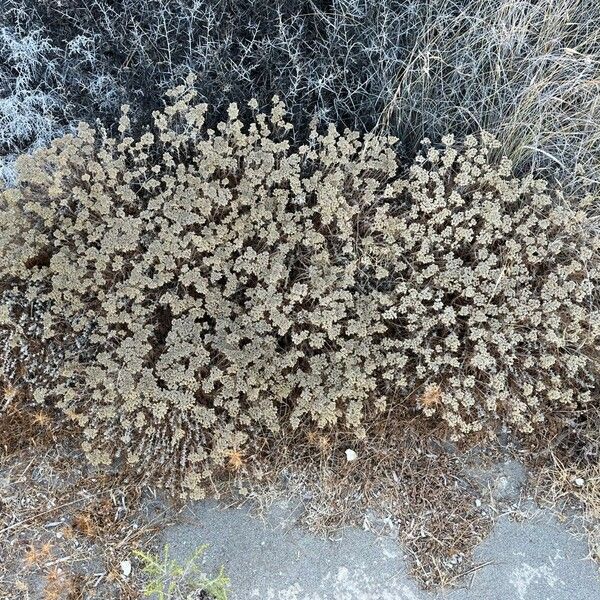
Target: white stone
{"type": "Point", "coordinates": [351, 455]}
{"type": "Point", "coordinates": [126, 567]}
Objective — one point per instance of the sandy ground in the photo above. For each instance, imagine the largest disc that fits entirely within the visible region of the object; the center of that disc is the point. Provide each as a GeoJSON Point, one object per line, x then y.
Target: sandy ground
{"type": "Point", "coordinates": [67, 532]}
{"type": "Point", "coordinates": [535, 559]}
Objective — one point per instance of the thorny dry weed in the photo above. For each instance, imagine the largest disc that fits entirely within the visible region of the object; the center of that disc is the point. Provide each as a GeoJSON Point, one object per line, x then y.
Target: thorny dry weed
{"type": "Point", "coordinates": [527, 71]}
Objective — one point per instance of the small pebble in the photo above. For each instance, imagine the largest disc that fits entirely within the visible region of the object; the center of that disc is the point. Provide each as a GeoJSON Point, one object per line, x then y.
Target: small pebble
{"type": "Point", "coordinates": [126, 567]}
{"type": "Point", "coordinates": [351, 455]}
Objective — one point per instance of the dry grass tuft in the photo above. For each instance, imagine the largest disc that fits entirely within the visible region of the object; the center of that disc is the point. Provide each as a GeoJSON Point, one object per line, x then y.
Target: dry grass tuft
{"type": "Point", "coordinates": [64, 528]}
{"type": "Point", "coordinates": [404, 482]}
{"type": "Point", "coordinates": [96, 521]}
{"type": "Point", "coordinates": [431, 399]}
{"type": "Point", "coordinates": [35, 557]}
{"type": "Point", "coordinates": [566, 475]}
{"type": "Point", "coordinates": [235, 460]}
{"type": "Point", "coordinates": [22, 425]}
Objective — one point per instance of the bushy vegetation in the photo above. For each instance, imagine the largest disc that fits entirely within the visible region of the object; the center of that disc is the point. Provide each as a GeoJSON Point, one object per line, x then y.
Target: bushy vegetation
{"type": "Point", "coordinates": [526, 71]}
{"type": "Point", "coordinates": [181, 290]}
{"type": "Point", "coordinates": [394, 245]}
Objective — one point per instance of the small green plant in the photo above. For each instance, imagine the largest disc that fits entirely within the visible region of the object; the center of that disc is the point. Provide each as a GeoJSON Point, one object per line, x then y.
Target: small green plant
{"type": "Point", "coordinates": [169, 580]}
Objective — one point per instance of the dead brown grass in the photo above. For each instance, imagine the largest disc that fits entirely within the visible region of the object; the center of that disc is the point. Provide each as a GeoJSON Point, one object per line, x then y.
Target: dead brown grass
{"type": "Point", "coordinates": [565, 475]}
{"type": "Point", "coordinates": [405, 482]}
{"type": "Point", "coordinates": [22, 427]}
{"type": "Point", "coordinates": [64, 528]}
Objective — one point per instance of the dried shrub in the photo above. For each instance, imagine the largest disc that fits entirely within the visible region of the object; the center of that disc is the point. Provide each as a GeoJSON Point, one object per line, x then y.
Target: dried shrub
{"type": "Point", "coordinates": [527, 71]}
{"type": "Point", "coordinates": [207, 285]}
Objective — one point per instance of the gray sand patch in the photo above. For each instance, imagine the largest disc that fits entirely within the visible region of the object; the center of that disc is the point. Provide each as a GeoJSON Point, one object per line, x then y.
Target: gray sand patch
{"type": "Point", "coordinates": [537, 559]}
